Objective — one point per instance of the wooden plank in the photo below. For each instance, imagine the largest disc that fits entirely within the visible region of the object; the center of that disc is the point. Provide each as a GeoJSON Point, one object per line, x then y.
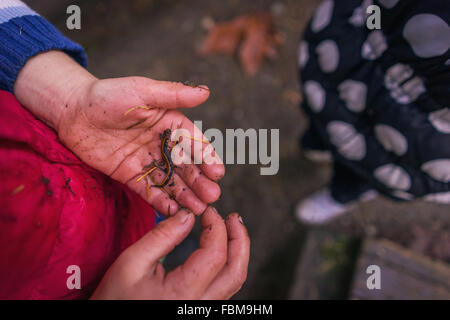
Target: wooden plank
{"type": "Point", "coordinates": [404, 274]}
{"type": "Point", "coordinates": [325, 268]}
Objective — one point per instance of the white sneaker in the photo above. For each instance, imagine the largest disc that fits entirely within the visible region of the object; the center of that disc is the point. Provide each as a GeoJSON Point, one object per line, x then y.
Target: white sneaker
{"type": "Point", "coordinates": [321, 207]}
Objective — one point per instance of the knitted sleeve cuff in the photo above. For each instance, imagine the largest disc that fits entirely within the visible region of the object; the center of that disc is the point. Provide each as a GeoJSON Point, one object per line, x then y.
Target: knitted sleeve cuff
{"type": "Point", "coordinates": [24, 34]}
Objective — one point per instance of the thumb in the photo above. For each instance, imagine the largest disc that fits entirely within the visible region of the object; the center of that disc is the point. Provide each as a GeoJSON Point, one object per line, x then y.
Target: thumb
{"type": "Point", "coordinates": [147, 251]}
{"type": "Point", "coordinates": [169, 95]}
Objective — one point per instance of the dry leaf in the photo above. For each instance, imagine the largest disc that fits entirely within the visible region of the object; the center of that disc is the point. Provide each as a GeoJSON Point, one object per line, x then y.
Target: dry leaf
{"type": "Point", "coordinates": [224, 37]}
{"type": "Point", "coordinates": [256, 35]}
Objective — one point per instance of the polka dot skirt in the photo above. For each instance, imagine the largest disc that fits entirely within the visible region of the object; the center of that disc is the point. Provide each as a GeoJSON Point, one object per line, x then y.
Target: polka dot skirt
{"type": "Point", "coordinates": [380, 99]}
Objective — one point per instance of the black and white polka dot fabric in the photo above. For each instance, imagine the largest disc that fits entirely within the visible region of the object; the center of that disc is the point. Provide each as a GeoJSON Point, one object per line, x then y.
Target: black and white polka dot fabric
{"type": "Point", "coordinates": [380, 99]}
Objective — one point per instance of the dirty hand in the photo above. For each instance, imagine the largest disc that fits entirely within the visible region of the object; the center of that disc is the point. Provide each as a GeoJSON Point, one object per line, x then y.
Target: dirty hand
{"type": "Point", "coordinates": [216, 270]}
{"type": "Point", "coordinates": [91, 119]}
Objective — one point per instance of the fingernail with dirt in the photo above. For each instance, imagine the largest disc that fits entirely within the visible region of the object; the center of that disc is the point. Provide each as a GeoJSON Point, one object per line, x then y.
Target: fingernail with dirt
{"type": "Point", "coordinates": [213, 209]}
{"type": "Point", "coordinates": [184, 216]}
{"type": "Point", "coordinates": [202, 86]}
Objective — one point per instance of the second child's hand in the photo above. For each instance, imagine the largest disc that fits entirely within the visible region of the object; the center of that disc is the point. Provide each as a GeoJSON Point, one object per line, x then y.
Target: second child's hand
{"type": "Point", "coordinates": [216, 270]}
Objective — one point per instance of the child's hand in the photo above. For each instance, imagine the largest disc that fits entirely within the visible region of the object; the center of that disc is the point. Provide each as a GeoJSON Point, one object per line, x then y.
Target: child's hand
{"type": "Point", "coordinates": [97, 128]}
{"type": "Point", "coordinates": [216, 270]}
{"type": "Point", "coordinates": [91, 118]}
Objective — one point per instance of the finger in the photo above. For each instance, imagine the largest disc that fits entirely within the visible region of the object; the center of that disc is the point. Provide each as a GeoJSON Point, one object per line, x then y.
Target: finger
{"type": "Point", "coordinates": [156, 197]}
{"type": "Point", "coordinates": [161, 201]}
{"type": "Point", "coordinates": [206, 190]}
{"type": "Point", "coordinates": [199, 148]}
{"type": "Point", "coordinates": [146, 252]}
{"type": "Point", "coordinates": [203, 265]}
{"type": "Point", "coordinates": [169, 95]}
{"type": "Point", "coordinates": [233, 275]}
{"type": "Point", "coordinates": [179, 191]}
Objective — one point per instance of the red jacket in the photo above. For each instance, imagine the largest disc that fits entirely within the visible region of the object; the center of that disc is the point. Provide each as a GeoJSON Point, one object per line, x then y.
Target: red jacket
{"type": "Point", "coordinates": [56, 211]}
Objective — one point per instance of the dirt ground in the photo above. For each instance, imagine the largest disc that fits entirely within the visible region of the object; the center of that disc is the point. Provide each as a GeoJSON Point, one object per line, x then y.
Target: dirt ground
{"type": "Point", "coordinates": [159, 39]}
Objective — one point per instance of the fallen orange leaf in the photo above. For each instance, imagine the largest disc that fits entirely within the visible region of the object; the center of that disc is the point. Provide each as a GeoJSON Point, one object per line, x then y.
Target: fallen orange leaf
{"type": "Point", "coordinates": [256, 35]}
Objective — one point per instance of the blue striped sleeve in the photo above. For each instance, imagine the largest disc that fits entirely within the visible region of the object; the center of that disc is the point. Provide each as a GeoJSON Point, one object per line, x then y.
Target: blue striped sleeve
{"type": "Point", "coordinates": [24, 34]}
